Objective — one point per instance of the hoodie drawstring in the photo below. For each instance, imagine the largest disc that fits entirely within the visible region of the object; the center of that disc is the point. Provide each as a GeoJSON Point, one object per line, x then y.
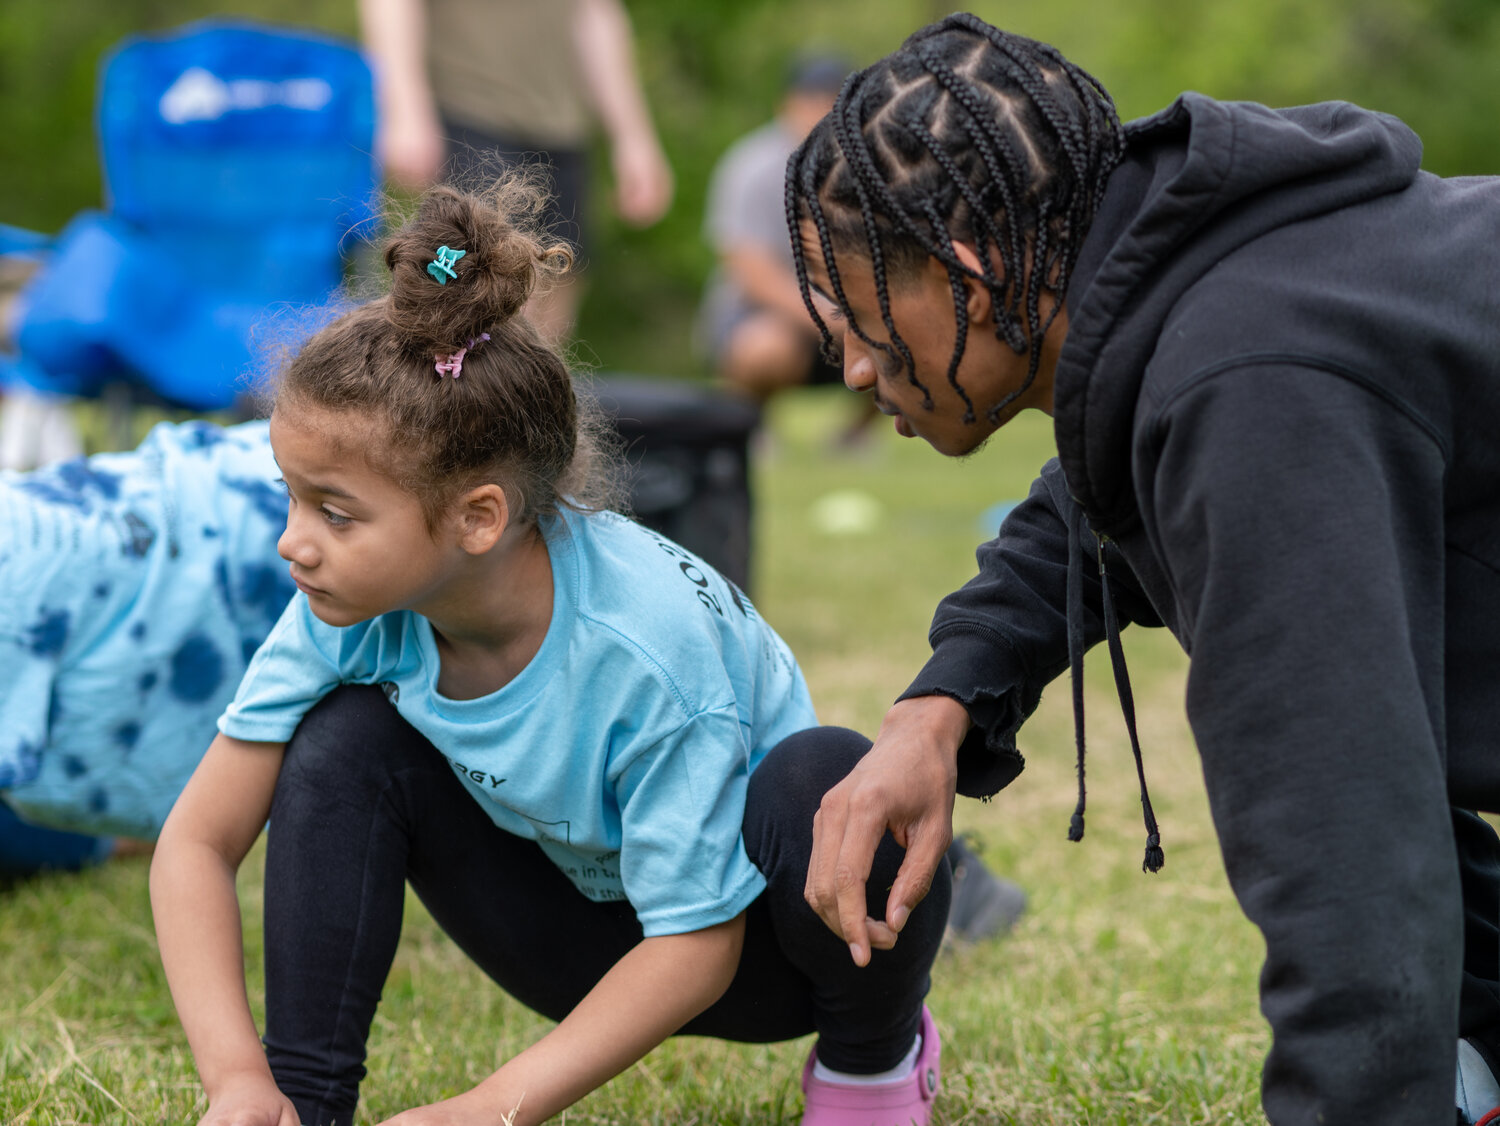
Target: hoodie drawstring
{"type": "Point", "coordinates": [1075, 653]}
{"type": "Point", "coordinates": [1155, 858]}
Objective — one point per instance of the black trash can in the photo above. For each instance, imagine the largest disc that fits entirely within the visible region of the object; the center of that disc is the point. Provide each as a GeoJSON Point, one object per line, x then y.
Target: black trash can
{"type": "Point", "coordinates": [687, 456]}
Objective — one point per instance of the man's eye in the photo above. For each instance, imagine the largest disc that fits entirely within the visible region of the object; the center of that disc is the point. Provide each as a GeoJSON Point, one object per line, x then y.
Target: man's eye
{"type": "Point", "coordinates": [334, 518]}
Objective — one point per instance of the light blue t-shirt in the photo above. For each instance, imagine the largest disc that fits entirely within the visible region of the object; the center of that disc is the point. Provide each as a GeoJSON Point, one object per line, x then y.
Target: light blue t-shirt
{"type": "Point", "coordinates": [134, 588]}
{"type": "Point", "coordinates": [625, 745]}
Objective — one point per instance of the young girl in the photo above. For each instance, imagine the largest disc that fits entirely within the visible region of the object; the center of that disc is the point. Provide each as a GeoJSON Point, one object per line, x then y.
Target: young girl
{"type": "Point", "coordinates": [593, 760]}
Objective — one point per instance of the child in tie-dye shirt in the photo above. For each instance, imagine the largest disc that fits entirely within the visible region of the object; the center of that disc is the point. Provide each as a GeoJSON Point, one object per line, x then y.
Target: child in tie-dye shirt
{"type": "Point", "coordinates": [136, 586]}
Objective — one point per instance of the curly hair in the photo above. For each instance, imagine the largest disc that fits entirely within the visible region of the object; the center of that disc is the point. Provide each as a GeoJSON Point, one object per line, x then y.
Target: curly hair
{"type": "Point", "coordinates": [515, 416]}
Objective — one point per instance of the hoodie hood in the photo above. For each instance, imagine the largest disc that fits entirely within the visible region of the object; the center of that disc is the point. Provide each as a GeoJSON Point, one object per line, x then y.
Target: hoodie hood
{"type": "Point", "coordinates": [1198, 180]}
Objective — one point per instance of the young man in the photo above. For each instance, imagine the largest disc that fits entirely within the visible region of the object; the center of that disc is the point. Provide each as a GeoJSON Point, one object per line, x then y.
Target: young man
{"type": "Point", "coordinates": [1268, 341]}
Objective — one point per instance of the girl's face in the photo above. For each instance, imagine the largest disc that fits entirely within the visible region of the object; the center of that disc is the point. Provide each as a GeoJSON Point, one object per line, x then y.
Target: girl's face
{"type": "Point", "coordinates": [357, 542]}
{"type": "Point", "coordinates": [922, 310]}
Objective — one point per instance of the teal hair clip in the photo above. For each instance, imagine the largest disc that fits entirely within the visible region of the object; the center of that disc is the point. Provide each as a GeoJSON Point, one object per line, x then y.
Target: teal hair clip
{"type": "Point", "coordinates": [443, 264]}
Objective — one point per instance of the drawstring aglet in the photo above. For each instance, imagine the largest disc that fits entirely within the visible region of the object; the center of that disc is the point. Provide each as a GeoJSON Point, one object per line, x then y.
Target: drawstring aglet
{"type": "Point", "coordinates": [1075, 828]}
{"type": "Point", "coordinates": [1155, 857]}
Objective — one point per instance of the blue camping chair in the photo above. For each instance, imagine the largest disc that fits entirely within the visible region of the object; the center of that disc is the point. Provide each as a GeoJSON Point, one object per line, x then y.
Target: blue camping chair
{"type": "Point", "coordinates": [237, 165]}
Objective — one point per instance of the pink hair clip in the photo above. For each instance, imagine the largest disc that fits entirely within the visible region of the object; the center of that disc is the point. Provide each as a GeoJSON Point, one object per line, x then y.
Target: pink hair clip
{"type": "Point", "coordinates": [453, 363]}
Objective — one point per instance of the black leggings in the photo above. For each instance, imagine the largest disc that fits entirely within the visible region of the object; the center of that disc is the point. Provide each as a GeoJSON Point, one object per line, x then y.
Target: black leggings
{"type": "Point", "coordinates": [364, 803]}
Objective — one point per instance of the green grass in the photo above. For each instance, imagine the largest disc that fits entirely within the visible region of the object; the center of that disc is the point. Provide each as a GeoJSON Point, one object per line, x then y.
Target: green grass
{"type": "Point", "coordinates": [1120, 997]}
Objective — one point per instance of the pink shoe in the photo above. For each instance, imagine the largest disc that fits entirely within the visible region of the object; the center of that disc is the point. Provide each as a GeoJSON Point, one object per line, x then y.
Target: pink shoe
{"type": "Point", "coordinates": [905, 1102]}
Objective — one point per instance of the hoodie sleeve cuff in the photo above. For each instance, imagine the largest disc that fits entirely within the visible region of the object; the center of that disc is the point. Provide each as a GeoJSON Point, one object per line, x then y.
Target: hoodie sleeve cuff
{"type": "Point", "coordinates": [987, 680]}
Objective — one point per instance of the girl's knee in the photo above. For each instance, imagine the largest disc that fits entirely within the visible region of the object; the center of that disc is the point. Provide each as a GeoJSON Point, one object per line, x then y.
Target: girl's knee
{"type": "Point", "coordinates": [353, 733]}
{"type": "Point", "coordinates": [808, 764]}
{"type": "Point", "coordinates": [788, 786]}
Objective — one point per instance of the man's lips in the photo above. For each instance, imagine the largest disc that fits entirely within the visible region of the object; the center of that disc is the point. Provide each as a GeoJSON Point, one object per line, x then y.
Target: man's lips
{"type": "Point", "coordinates": [899, 420]}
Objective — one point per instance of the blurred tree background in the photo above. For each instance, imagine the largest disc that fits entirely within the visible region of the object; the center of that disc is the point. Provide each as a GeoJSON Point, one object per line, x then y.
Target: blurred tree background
{"type": "Point", "coordinates": [713, 69]}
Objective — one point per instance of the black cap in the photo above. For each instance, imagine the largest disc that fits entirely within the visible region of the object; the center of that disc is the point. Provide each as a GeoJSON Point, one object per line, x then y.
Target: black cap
{"type": "Point", "coordinates": [817, 73]}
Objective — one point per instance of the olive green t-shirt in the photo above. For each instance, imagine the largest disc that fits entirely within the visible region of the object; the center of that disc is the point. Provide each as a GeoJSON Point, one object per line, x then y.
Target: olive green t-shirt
{"type": "Point", "coordinates": [509, 67]}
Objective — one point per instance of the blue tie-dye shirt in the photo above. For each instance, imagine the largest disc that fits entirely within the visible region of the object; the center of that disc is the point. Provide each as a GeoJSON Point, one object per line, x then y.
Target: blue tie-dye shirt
{"type": "Point", "coordinates": [135, 586]}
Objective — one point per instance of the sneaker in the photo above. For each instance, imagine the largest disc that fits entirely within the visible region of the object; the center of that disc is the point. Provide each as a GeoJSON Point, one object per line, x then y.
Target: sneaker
{"type": "Point", "coordinates": [983, 904]}
{"type": "Point", "coordinates": [1476, 1091]}
{"type": "Point", "coordinates": [902, 1102]}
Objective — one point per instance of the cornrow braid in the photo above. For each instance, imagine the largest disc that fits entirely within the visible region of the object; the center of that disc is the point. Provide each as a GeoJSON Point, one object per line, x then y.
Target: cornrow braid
{"type": "Point", "coordinates": [995, 158]}
{"type": "Point", "coordinates": [800, 188]}
{"type": "Point", "coordinates": [965, 134]}
{"type": "Point", "coordinates": [989, 233]}
{"type": "Point", "coordinates": [791, 189]}
{"type": "Point", "coordinates": [997, 154]}
{"type": "Point", "coordinates": [866, 183]}
{"type": "Point", "coordinates": [961, 322]}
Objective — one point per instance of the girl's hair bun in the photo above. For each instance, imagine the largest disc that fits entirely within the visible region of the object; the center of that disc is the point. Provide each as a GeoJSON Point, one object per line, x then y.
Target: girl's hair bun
{"type": "Point", "coordinates": [504, 262]}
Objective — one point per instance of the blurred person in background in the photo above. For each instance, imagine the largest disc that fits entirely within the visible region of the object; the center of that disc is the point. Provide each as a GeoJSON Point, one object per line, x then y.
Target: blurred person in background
{"type": "Point", "coordinates": [467, 88]}
{"type": "Point", "coordinates": [137, 584]}
{"type": "Point", "coordinates": [752, 323]}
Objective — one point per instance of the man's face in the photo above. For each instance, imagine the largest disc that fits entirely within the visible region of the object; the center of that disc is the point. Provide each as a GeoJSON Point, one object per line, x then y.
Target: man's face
{"type": "Point", "coordinates": [922, 309]}
{"type": "Point", "coordinates": [802, 109]}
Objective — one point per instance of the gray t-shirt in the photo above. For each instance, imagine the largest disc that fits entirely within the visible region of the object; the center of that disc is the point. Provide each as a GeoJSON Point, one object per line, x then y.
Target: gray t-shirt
{"type": "Point", "coordinates": [746, 205]}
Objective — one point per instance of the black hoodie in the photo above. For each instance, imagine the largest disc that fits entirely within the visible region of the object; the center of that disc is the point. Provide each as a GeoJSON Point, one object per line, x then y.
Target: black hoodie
{"type": "Point", "coordinates": [1279, 405]}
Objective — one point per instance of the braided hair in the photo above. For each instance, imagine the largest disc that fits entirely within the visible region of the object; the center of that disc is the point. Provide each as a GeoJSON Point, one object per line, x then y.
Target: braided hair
{"type": "Point", "coordinates": [966, 134]}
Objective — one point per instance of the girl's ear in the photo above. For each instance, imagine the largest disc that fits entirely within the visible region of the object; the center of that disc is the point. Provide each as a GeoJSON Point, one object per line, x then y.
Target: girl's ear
{"type": "Point", "coordinates": [483, 516]}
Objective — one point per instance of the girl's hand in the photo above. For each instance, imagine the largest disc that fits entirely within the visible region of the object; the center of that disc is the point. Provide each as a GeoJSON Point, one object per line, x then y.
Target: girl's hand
{"type": "Point", "coordinates": [198, 930]}
{"type": "Point", "coordinates": [468, 1109]}
{"type": "Point", "coordinates": [652, 991]}
{"type": "Point", "coordinates": [252, 1101]}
